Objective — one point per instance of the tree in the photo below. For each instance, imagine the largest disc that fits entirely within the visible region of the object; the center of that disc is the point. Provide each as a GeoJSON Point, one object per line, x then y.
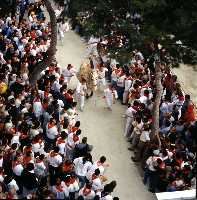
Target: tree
{"type": "Point", "coordinates": [139, 24]}
{"type": "Point", "coordinates": [35, 75]}
{"type": "Point", "coordinates": [165, 21]}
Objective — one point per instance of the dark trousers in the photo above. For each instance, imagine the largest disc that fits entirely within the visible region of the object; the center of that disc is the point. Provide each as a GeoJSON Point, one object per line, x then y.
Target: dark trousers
{"type": "Point", "coordinates": [153, 180]}
{"type": "Point", "coordinates": [120, 91]}
{"type": "Point", "coordinates": [53, 171]}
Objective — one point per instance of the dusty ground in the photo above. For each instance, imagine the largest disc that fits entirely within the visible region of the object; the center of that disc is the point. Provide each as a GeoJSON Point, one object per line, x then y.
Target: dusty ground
{"type": "Point", "coordinates": [104, 130]}
{"type": "Point", "coordinates": [187, 77]}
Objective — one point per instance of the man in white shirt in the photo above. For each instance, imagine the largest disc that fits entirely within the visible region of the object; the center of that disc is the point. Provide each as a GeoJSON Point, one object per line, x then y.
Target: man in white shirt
{"type": "Point", "coordinates": [145, 97]}
{"type": "Point", "coordinates": [110, 94]}
{"type": "Point", "coordinates": [99, 164]}
{"type": "Point", "coordinates": [82, 165]}
{"type": "Point", "coordinates": [101, 76]}
{"type": "Point", "coordinates": [144, 139]}
{"type": "Point", "coordinates": [127, 86]}
{"type": "Point", "coordinates": [54, 159]}
{"type": "Point", "coordinates": [81, 91]}
{"type": "Point", "coordinates": [120, 86]}
{"type": "Point", "coordinates": [129, 114]}
{"type": "Point", "coordinates": [69, 72]}
{"type": "Point", "coordinates": [51, 132]}
{"type": "Point", "coordinates": [73, 139]}
{"type": "Point", "coordinates": [87, 192]}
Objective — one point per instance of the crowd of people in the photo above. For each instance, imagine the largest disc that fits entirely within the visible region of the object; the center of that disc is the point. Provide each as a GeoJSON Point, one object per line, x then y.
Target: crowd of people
{"type": "Point", "coordinates": [42, 152]}
{"type": "Point", "coordinates": [168, 157]}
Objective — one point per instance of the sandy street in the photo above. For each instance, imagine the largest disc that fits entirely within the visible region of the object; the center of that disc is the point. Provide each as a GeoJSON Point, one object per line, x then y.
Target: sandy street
{"type": "Point", "coordinates": [104, 129]}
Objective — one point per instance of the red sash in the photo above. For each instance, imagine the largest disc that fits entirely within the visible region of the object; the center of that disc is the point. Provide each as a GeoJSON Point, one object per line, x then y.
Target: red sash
{"type": "Point", "coordinates": [94, 177]}
{"type": "Point", "coordinates": [75, 138]}
{"type": "Point", "coordinates": [60, 141]}
{"type": "Point", "coordinates": [59, 188]}
{"type": "Point", "coordinates": [86, 191]}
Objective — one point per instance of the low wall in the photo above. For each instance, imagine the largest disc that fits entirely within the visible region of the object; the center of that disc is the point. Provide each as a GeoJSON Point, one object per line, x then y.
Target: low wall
{"type": "Point", "coordinates": [178, 195]}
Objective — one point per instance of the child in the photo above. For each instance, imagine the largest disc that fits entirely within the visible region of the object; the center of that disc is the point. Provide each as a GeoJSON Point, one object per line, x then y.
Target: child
{"type": "Point", "coordinates": [81, 91]}
{"type": "Point", "coordinates": [110, 94]}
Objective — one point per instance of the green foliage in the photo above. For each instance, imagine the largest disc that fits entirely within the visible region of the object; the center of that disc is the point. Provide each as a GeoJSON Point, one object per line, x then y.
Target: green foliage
{"type": "Point", "coordinates": [160, 18]}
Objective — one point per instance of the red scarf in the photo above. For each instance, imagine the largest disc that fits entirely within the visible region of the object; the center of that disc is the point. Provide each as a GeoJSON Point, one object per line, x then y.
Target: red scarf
{"type": "Point", "coordinates": [75, 138]}
{"type": "Point", "coordinates": [50, 125]}
{"type": "Point", "coordinates": [86, 191]}
{"type": "Point", "coordinates": [94, 176]}
{"type": "Point", "coordinates": [72, 180]}
{"type": "Point", "coordinates": [74, 129]}
{"type": "Point", "coordinates": [60, 141]}
{"type": "Point", "coordinates": [23, 136]}
{"type": "Point", "coordinates": [15, 163]}
{"type": "Point", "coordinates": [59, 188]}
{"type": "Point", "coordinates": [46, 94]}
{"type": "Point", "coordinates": [38, 160]}
{"type": "Point", "coordinates": [53, 154]}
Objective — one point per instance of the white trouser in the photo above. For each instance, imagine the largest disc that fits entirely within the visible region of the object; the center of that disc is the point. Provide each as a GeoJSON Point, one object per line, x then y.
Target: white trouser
{"type": "Point", "coordinates": [109, 102]}
{"type": "Point", "coordinates": [125, 96]}
{"type": "Point", "coordinates": [127, 126]}
{"type": "Point", "coordinates": [101, 82]}
{"type": "Point", "coordinates": [67, 79]}
{"type": "Point", "coordinates": [82, 101]}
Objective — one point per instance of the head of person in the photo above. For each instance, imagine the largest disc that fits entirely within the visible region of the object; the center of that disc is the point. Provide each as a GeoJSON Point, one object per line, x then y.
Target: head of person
{"type": "Point", "coordinates": [138, 119]}
{"type": "Point", "coordinates": [97, 172]}
{"type": "Point", "coordinates": [77, 124]}
{"type": "Point", "coordinates": [84, 140]}
{"type": "Point", "coordinates": [80, 198]}
{"type": "Point", "coordinates": [102, 159]}
{"type": "Point", "coordinates": [146, 93]}
{"type": "Point", "coordinates": [63, 135]}
{"type": "Point", "coordinates": [97, 197]}
{"type": "Point", "coordinates": [30, 167]}
{"type": "Point", "coordinates": [187, 97]}
{"type": "Point", "coordinates": [78, 132]}
{"type": "Point", "coordinates": [56, 149]}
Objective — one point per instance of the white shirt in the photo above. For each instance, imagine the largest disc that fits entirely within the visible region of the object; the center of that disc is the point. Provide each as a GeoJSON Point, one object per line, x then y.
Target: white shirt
{"type": "Point", "coordinates": [13, 184]}
{"type": "Point", "coordinates": [97, 184]}
{"type": "Point", "coordinates": [114, 76]}
{"type": "Point", "coordinates": [1, 162]}
{"type": "Point", "coordinates": [70, 142]}
{"type": "Point", "coordinates": [18, 169]}
{"type": "Point", "coordinates": [66, 188]}
{"type": "Point", "coordinates": [37, 107]}
{"type": "Point", "coordinates": [55, 161]}
{"type": "Point", "coordinates": [40, 168]}
{"type": "Point", "coordinates": [80, 168]}
{"type": "Point", "coordinates": [62, 146]}
{"type": "Point", "coordinates": [101, 74]}
{"type": "Point", "coordinates": [52, 132]}
{"type": "Point", "coordinates": [38, 148]}
{"type": "Point", "coordinates": [143, 99]}
{"type": "Point", "coordinates": [95, 166]}
{"type": "Point", "coordinates": [90, 196]}
{"type": "Point", "coordinates": [121, 81]}
{"type": "Point", "coordinates": [145, 136]}
{"type": "Point", "coordinates": [69, 73]}
{"type": "Point", "coordinates": [129, 112]}
{"type": "Point", "coordinates": [109, 94]}
{"type": "Point", "coordinates": [151, 162]}
{"type": "Point", "coordinates": [108, 197]}
{"type": "Point", "coordinates": [128, 84]}
{"type": "Point", "coordinates": [56, 86]}
{"type": "Point", "coordinates": [1, 178]}
{"type": "Point", "coordinates": [81, 89]}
